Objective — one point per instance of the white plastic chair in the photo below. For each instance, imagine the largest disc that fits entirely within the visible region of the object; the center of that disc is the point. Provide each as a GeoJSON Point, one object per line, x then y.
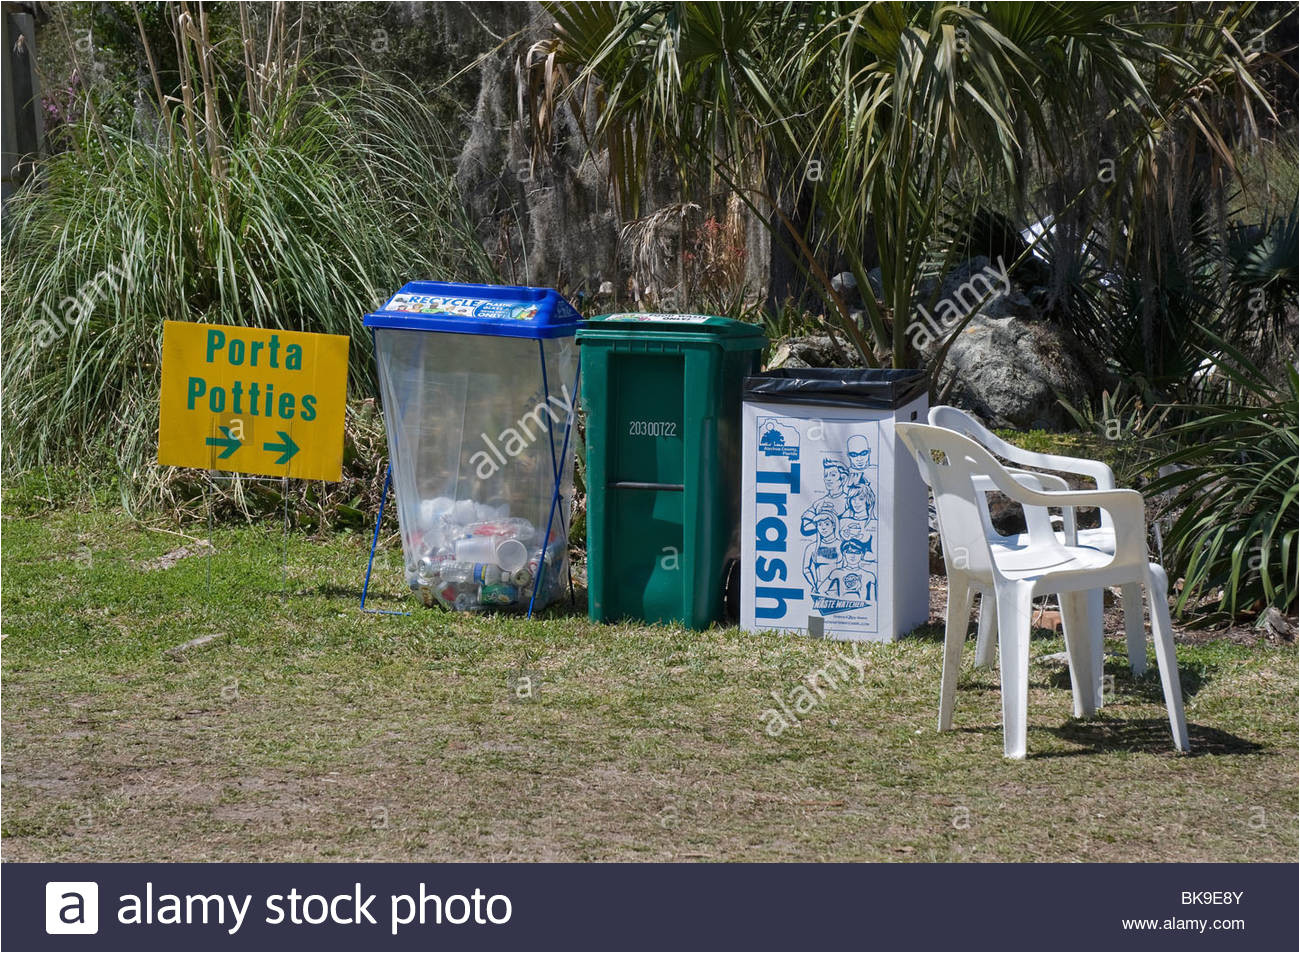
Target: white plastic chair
{"type": "Point", "coordinates": [959, 472]}
{"type": "Point", "coordinates": [1101, 537]}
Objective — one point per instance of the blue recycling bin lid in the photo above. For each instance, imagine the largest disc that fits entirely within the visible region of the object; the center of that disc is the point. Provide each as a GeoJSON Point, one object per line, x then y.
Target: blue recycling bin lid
{"type": "Point", "coordinates": [498, 310]}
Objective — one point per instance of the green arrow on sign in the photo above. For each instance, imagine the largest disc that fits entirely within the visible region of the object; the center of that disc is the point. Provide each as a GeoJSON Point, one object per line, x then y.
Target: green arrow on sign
{"type": "Point", "coordinates": [286, 449]}
{"type": "Point", "coordinates": [230, 443]}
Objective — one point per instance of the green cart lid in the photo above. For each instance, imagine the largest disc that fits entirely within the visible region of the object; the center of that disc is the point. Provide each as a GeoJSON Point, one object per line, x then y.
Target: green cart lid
{"type": "Point", "coordinates": [733, 334]}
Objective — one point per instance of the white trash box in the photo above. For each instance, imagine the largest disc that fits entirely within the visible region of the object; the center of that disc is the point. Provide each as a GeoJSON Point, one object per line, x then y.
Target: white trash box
{"type": "Point", "coordinates": [834, 513]}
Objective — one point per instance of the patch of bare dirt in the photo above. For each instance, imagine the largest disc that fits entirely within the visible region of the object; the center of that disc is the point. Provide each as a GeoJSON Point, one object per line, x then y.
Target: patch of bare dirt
{"type": "Point", "coordinates": [170, 559]}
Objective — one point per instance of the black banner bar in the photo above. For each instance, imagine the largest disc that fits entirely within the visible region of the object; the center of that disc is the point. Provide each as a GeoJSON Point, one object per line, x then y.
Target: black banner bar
{"type": "Point", "coordinates": [650, 907]}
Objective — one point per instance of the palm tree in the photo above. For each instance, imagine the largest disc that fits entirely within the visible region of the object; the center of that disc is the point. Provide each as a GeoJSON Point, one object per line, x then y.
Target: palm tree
{"type": "Point", "coordinates": [885, 122]}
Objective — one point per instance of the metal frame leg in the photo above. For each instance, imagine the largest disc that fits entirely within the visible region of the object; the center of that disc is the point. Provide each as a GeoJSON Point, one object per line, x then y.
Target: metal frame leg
{"type": "Point", "coordinates": [374, 543]}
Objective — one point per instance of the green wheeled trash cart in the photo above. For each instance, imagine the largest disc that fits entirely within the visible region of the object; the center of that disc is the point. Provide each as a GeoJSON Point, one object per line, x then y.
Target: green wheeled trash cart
{"type": "Point", "coordinates": [662, 393]}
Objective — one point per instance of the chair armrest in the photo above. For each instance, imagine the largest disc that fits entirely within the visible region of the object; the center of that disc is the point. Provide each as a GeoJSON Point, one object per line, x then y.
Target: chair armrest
{"type": "Point", "coordinates": [1039, 481]}
{"type": "Point", "coordinates": [1024, 477]}
{"type": "Point", "coordinates": [1125, 507]}
{"type": "Point", "coordinates": [1126, 503]}
{"type": "Point", "coordinates": [1101, 474]}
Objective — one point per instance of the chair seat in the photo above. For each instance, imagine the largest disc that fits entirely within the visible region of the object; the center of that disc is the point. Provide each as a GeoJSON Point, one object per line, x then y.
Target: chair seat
{"type": "Point", "coordinates": [1098, 538]}
{"type": "Point", "coordinates": [1028, 562]}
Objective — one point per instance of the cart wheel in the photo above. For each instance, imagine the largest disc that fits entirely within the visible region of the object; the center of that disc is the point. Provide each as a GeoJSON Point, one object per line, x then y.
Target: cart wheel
{"type": "Point", "coordinates": [731, 590]}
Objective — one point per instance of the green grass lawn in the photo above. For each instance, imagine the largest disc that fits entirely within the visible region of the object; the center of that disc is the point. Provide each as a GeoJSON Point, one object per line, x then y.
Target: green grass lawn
{"type": "Point", "coordinates": [312, 731]}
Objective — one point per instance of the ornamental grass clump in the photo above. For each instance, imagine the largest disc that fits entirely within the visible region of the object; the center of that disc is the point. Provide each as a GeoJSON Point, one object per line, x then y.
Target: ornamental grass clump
{"type": "Point", "coordinates": [286, 198]}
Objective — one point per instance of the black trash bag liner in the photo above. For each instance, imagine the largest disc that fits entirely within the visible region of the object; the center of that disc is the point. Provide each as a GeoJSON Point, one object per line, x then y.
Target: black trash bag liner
{"type": "Point", "coordinates": [870, 388]}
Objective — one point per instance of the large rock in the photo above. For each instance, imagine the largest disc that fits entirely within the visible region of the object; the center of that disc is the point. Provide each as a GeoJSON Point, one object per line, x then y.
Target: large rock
{"type": "Point", "coordinates": [1007, 365]}
{"type": "Point", "coordinates": [818, 350]}
{"type": "Point", "coordinates": [970, 282]}
{"type": "Point", "coordinates": [1013, 372]}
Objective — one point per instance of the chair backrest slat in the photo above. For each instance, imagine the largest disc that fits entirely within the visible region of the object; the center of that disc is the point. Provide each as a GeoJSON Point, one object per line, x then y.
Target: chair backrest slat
{"type": "Point", "coordinates": [951, 464]}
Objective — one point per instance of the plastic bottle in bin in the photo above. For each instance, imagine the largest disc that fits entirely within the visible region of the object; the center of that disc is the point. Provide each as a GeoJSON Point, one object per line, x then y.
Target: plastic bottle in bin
{"type": "Point", "coordinates": [524, 577]}
{"type": "Point", "coordinates": [477, 573]}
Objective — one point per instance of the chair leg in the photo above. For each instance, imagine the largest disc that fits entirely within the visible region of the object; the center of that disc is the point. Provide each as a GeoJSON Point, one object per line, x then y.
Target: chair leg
{"type": "Point", "coordinates": [1134, 629]}
{"type": "Point", "coordinates": [1015, 611]}
{"type": "Point", "coordinates": [954, 639]}
{"type": "Point", "coordinates": [1097, 631]}
{"type": "Point", "coordinates": [985, 640]}
{"type": "Point", "coordinates": [1162, 636]}
{"type": "Point", "coordinates": [1080, 644]}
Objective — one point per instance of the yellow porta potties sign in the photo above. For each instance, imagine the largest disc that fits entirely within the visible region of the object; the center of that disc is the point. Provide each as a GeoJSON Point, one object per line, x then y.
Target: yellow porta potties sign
{"type": "Point", "coordinates": [253, 400]}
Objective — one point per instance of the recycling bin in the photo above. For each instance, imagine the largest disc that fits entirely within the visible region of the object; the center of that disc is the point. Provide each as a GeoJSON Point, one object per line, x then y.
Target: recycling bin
{"type": "Point", "coordinates": [662, 398]}
{"type": "Point", "coordinates": [835, 515]}
{"type": "Point", "coordinates": [478, 384]}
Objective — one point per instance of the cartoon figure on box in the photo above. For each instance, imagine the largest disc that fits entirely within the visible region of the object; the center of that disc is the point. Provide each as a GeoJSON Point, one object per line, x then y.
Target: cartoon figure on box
{"type": "Point", "coordinates": [836, 477]}
{"type": "Point", "coordinates": [859, 489]}
{"type": "Point", "coordinates": [852, 581]}
{"type": "Point", "coordinates": [822, 555]}
{"type": "Point", "coordinates": [839, 564]}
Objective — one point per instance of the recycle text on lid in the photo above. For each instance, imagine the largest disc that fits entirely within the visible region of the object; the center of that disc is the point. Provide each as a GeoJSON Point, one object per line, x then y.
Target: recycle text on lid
{"type": "Point", "coordinates": [484, 308]}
